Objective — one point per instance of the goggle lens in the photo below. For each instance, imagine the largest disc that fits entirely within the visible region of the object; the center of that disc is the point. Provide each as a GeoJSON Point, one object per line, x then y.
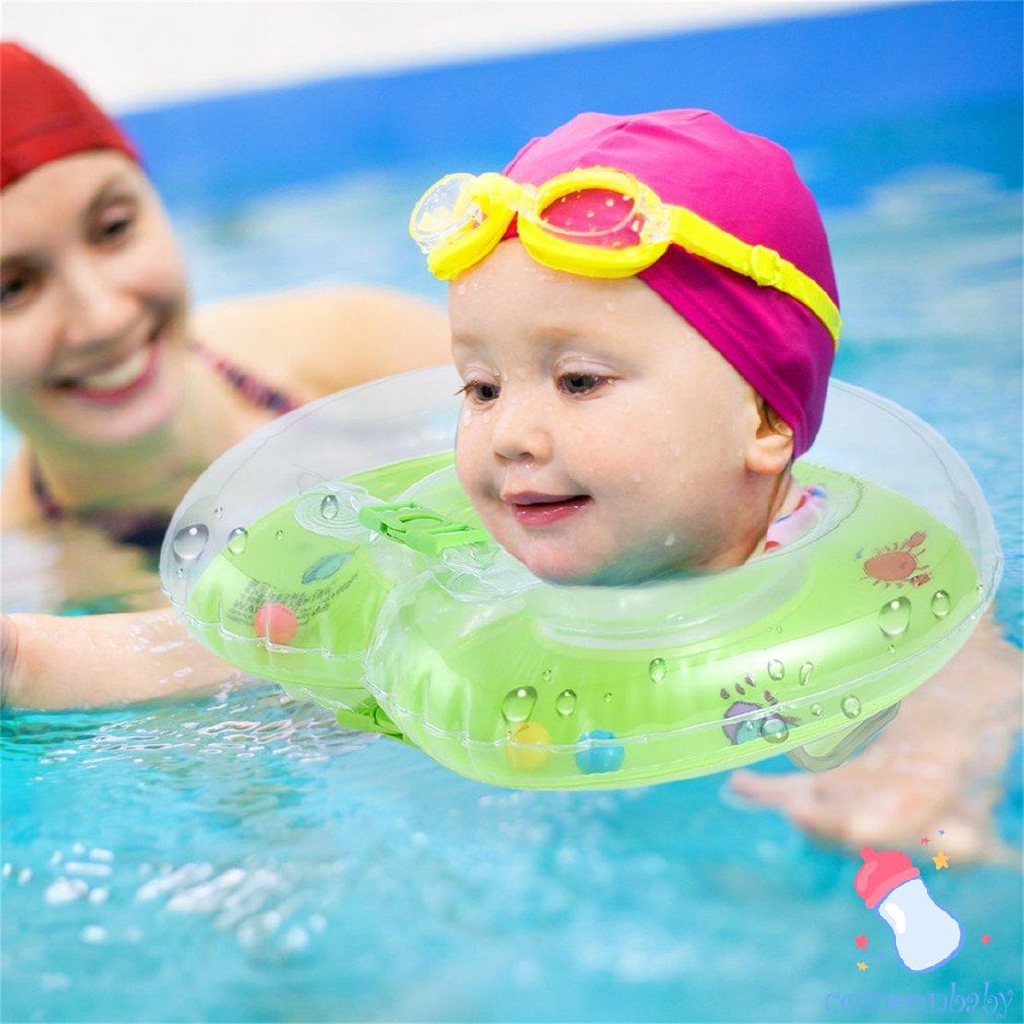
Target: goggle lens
{"type": "Point", "coordinates": [595, 216]}
{"type": "Point", "coordinates": [445, 211]}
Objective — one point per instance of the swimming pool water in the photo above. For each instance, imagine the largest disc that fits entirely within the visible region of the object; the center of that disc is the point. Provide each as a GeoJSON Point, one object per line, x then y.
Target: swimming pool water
{"type": "Point", "coordinates": [239, 857]}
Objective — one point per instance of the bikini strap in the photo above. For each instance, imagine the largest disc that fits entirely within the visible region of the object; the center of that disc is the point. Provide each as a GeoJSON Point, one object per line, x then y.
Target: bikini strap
{"type": "Point", "coordinates": [262, 395]}
{"type": "Point", "coordinates": [47, 503]}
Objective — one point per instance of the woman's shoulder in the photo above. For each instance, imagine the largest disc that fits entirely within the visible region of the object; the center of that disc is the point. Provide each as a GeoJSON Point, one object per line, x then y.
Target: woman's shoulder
{"type": "Point", "coordinates": [317, 340]}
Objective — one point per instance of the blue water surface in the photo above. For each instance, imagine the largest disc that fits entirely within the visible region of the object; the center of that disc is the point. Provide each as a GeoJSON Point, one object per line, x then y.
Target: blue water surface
{"type": "Point", "coordinates": [239, 857]}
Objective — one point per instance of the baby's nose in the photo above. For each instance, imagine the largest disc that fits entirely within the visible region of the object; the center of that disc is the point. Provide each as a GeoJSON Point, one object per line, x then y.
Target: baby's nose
{"type": "Point", "coordinates": [520, 431]}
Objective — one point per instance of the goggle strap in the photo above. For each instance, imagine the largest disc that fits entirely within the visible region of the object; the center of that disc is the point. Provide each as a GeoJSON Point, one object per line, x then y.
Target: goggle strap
{"type": "Point", "coordinates": [763, 265]}
{"type": "Point", "coordinates": [499, 199]}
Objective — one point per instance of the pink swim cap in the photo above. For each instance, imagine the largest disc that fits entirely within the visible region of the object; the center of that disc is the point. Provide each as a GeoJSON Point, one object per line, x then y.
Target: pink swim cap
{"type": "Point", "coordinates": [746, 185]}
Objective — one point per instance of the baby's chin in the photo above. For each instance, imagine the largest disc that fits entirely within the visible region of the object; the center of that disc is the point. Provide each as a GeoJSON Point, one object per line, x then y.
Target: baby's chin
{"type": "Point", "coordinates": [560, 565]}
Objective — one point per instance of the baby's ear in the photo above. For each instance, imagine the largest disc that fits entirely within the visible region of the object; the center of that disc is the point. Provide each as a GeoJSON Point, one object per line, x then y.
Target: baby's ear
{"type": "Point", "coordinates": [770, 448]}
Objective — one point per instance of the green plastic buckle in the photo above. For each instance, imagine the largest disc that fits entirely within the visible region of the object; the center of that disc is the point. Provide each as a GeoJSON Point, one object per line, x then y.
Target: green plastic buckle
{"type": "Point", "coordinates": [419, 528]}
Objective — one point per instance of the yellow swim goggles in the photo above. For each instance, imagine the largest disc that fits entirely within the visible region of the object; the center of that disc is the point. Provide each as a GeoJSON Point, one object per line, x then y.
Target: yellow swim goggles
{"type": "Point", "coordinates": [462, 217]}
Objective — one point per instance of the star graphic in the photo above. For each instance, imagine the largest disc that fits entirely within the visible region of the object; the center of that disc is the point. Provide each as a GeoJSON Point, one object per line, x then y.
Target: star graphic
{"type": "Point", "coordinates": [861, 966]}
{"type": "Point", "coordinates": [925, 840]}
{"type": "Point", "coordinates": [861, 942]}
{"type": "Point", "coordinates": [985, 939]}
{"type": "Point", "coordinates": [942, 861]}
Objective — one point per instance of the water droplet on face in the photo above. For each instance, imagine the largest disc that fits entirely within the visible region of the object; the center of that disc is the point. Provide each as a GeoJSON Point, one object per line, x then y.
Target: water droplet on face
{"type": "Point", "coordinates": [237, 540]}
{"type": "Point", "coordinates": [218, 512]}
{"type": "Point", "coordinates": [279, 535]}
{"type": "Point", "coordinates": [940, 604]}
{"type": "Point", "coordinates": [607, 698]}
{"type": "Point", "coordinates": [656, 670]}
{"type": "Point", "coordinates": [329, 507]}
{"type": "Point", "coordinates": [775, 730]}
{"type": "Point", "coordinates": [518, 704]}
{"type": "Point", "coordinates": [805, 672]}
{"type": "Point", "coordinates": [180, 574]}
{"type": "Point", "coordinates": [461, 289]}
{"type": "Point", "coordinates": [776, 670]}
{"type": "Point", "coordinates": [189, 542]}
{"type": "Point", "coordinates": [894, 617]}
{"type": "Point", "coordinates": [546, 675]}
{"type": "Point", "coordinates": [565, 703]}
{"type": "Point", "coordinates": [850, 706]}
{"type": "Point", "coordinates": [817, 710]}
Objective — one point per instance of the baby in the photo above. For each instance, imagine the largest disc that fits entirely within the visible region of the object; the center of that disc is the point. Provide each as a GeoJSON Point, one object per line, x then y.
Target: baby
{"type": "Point", "coordinates": [632, 408]}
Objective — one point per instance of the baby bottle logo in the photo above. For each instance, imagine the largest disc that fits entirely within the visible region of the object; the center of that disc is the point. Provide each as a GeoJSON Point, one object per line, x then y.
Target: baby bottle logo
{"type": "Point", "coordinates": [926, 936]}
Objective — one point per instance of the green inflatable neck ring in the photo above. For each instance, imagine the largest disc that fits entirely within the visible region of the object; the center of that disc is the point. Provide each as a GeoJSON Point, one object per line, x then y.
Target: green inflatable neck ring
{"type": "Point", "coordinates": [375, 591]}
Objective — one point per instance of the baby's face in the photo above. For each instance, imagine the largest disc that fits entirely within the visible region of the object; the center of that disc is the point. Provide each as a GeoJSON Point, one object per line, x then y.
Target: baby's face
{"type": "Point", "coordinates": [602, 439]}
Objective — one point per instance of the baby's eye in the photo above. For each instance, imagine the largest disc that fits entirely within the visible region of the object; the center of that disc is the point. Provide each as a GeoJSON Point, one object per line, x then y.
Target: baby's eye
{"type": "Point", "coordinates": [480, 391]}
{"type": "Point", "coordinates": [579, 383]}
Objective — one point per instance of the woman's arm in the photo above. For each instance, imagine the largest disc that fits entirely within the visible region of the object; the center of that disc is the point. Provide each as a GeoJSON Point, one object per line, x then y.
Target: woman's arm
{"type": "Point", "coordinates": [51, 662]}
{"type": "Point", "coordinates": [313, 342]}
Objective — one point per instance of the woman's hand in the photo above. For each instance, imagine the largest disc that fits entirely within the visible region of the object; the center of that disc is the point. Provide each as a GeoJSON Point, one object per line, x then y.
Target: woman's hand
{"type": "Point", "coordinates": [88, 661]}
{"type": "Point", "coordinates": [939, 765]}
{"type": "Point", "coordinates": [8, 657]}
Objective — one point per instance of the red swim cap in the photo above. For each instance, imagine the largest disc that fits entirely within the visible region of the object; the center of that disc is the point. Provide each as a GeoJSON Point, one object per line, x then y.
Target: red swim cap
{"type": "Point", "coordinates": [45, 116]}
{"type": "Point", "coordinates": [746, 185]}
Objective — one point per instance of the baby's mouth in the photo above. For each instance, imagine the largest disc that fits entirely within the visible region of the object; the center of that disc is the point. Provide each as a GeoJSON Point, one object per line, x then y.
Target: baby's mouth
{"type": "Point", "coordinates": [533, 509]}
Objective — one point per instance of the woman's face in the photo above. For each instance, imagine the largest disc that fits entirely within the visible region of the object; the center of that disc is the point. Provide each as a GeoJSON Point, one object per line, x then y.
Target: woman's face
{"type": "Point", "coordinates": [93, 304]}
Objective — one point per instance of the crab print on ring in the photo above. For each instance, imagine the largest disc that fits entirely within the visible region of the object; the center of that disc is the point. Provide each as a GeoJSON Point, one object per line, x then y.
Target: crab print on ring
{"type": "Point", "coordinates": [899, 563]}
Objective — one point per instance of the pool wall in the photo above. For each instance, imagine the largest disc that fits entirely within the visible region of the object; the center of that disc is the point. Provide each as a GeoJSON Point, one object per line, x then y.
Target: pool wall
{"type": "Point", "coordinates": [787, 79]}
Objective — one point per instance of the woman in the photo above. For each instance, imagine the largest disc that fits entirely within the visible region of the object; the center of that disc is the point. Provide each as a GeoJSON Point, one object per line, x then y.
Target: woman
{"type": "Point", "coordinates": [121, 391]}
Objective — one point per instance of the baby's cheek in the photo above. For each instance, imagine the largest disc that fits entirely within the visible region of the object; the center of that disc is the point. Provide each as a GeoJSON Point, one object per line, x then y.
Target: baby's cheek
{"type": "Point", "coordinates": [470, 461]}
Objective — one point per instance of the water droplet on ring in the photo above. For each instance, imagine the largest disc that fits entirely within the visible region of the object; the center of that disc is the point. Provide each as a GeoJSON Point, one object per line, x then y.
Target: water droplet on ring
{"type": "Point", "coordinates": [329, 507]}
{"type": "Point", "coordinates": [817, 710]}
{"type": "Point", "coordinates": [775, 730]}
{"type": "Point", "coordinates": [518, 704]}
{"type": "Point", "coordinates": [894, 617]}
{"type": "Point", "coordinates": [189, 541]}
{"type": "Point", "coordinates": [238, 538]}
{"type": "Point", "coordinates": [940, 604]}
{"type": "Point", "coordinates": [776, 670]}
{"type": "Point", "coordinates": [565, 703]}
{"type": "Point", "coordinates": [805, 672]}
{"type": "Point", "coordinates": [279, 535]}
{"type": "Point", "coordinates": [656, 670]}
{"type": "Point", "coordinates": [850, 706]}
